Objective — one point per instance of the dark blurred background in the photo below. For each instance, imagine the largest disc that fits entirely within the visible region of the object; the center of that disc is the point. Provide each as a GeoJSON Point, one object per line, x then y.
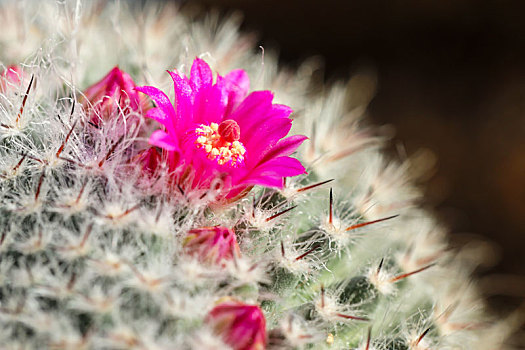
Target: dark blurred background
{"type": "Point", "coordinates": [451, 78]}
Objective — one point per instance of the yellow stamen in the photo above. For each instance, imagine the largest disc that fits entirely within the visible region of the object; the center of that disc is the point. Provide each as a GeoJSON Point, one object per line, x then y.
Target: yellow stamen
{"type": "Point", "coordinates": [217, 147]}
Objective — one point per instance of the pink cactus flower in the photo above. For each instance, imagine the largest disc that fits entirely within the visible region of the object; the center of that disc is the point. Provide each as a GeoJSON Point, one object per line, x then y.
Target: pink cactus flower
{"type": "Point", "coordinates": [212, 244]}
{"type": "Point", "coordinates": [112, 94]}
{"type": "Point", "coordinates": [240, 325]}
{"type": "Point", "coordinates": [12, 75]}
{"type": "Point", "coordinates": [216, 130]}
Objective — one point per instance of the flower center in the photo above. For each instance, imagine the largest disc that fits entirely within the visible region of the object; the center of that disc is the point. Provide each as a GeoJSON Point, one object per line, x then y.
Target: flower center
{"type": "Point", "coordinates": [221, 142]}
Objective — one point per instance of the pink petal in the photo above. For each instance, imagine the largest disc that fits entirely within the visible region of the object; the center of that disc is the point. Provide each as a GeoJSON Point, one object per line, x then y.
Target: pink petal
{"type": "Point", "coordinates": [236, 85]}
{"type": "Point", "coordinates": [158, 115]}
{"type": "Point", "coordinates": [201, 74]}
{"type": "Point", "coordinates": [164, 105]}
{"type": "Point", "coordinates": [262, 137]}
{"type": "Point", "coordinates": [160, 139]}
{"type": "Point", "coordinates": [276, 182]}
{"type": "Point", "coordinates": [183, 100]}
{"type": "Point", "coordinates": [253, 109]}
{"type": "Point", "coordinates": [284, 147]}
{"type": "Point", "coordinates": [272, 172]}
{"type": "Point", "coordinates": [273, 121]}
{"type": "Point", "coordinates": [281, 111]}
{"type": "Point", "coordinates": [160, 99]}
{"type": "Point", "coordinates": [208, 105]}
{"type": "Point", "coordinates": [281, 166]}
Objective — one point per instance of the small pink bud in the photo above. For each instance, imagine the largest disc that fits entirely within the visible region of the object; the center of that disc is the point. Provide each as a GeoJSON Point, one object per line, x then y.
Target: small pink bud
{"type": "Point", "coordinates": [242, 326]}
{"type": "Point", "coordinates": [12, 75]}
{"type": "Point", "coordinates": [149, 159]}
{"type": "Point", "coordinates": [212, 244]}
{"type": "Point", "coordinates": [115, 92]}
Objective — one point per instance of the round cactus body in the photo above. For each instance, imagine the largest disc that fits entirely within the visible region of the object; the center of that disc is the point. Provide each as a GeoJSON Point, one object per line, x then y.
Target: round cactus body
{"type": "Point", "coordinates": [224, 204]}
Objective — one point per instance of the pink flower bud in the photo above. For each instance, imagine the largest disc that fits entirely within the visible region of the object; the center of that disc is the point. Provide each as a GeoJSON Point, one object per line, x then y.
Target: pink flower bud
{"type": "Point", "coordinates": [240, 325]}
{"type": "Point", "coordinates": [12, 75]}
{"type": "Point", "coordinates": [212, 244]}
{"type": "Point", "coordinates": [113, 94]}
{"type": "Point", "coordinates": [149, 159]}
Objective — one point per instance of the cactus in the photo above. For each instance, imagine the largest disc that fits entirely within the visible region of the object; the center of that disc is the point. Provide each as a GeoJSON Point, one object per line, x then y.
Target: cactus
{"type": "Point", "coordinates": [115, 233]}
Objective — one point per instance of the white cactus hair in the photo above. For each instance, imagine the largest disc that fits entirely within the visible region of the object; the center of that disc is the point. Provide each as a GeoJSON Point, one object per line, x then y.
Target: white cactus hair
{"type": "Point", "coordinates": [88, 260]}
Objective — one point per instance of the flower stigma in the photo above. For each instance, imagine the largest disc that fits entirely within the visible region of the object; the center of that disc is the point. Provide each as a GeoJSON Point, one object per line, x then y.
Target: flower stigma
{"type": "Point", "coordinates": [221, 142]}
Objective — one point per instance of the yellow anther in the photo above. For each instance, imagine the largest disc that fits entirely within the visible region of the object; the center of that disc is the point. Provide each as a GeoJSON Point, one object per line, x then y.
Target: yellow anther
{"type": "Point", "coordinates": [221, 148]}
